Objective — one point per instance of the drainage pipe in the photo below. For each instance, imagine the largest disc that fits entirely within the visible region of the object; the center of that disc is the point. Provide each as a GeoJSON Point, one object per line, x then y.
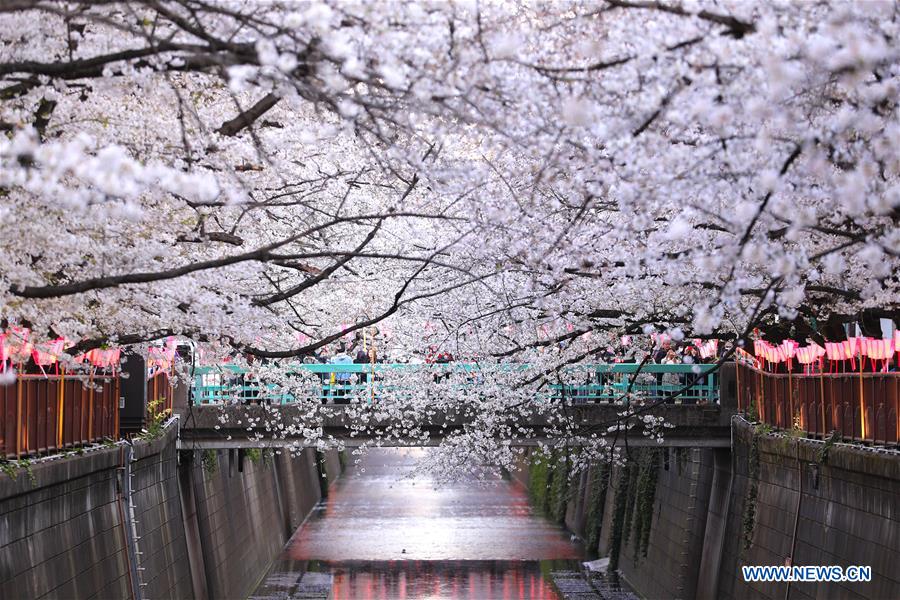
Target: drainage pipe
{"type": "Point", "coordinates": [787, 591]}
{"type": "Point", "coordinates": [125, 504]}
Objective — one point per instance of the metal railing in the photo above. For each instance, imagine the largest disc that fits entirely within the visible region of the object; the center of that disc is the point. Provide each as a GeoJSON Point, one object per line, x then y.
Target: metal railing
{"type": "Point", "coordinates": [859, 406]}
{"type": "Point", "coordinates": [42, 414]}
{"type": "Point", "coordinates": [340, 382]}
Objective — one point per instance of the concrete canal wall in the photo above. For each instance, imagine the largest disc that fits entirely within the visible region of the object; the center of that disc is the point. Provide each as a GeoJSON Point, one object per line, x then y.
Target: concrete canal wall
{"type": "Point", "coordinates": [680, 523]}
{"type": "Point", "coordinates": [849, 514]}
{"type": "Point", "coordinates": [204, 524]}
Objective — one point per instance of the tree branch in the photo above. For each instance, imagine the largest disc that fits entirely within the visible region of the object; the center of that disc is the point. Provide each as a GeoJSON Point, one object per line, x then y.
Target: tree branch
{"type": "Point", "coordinates": [247, 118]}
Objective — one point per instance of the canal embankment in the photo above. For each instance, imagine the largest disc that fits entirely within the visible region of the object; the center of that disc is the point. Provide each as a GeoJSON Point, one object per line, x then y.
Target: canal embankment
{"type": "Point", "coordinates": [144, 520]}
{"type": "Point", "coordinates": [680, 523]}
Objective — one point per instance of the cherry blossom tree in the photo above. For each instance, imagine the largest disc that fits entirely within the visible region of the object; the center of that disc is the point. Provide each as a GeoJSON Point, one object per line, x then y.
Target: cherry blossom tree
{"type": "Point", "coordinates": [514, 181]}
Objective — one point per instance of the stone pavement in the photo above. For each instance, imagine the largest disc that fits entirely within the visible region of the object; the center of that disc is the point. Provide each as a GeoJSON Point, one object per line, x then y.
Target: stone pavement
{"type": "Point", "coordinates": [287, 586]}
{"type": "Point", "coordinates": [589, 585]}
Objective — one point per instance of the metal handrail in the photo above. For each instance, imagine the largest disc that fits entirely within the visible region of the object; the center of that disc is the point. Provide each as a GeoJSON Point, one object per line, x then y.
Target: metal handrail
{"type": "Point", "coordinates": [603, 382]}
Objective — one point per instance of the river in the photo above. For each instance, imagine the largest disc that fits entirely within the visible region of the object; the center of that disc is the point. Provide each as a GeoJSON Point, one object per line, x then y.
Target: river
{"type": "Point", "coordinates": [384, 533]}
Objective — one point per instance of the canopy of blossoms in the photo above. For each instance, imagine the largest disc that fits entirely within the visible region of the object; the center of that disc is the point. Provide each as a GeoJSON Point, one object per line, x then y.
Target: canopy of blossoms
{"type": "Point", "coordinates": [510, 181]}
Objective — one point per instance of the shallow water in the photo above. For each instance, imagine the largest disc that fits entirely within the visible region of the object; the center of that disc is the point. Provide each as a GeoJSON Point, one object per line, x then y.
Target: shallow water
{"type": "Point", "coordinates": [382, 533]}
{"type": "Point", "coordinates": [439, 579]}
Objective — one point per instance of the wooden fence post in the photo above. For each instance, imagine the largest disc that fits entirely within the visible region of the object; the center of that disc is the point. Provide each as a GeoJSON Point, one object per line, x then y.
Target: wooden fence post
{"type": "Point", "coordinates": [90, 435]}
{"type": "Point", "coordinates": [60, 407]}
{"type": "Point", "coordinates": [862, 402]}
{"type": "Point", "coordinates": [761, 393]}
{"type": "Point", "coordinates": [790, 423]}
{"type": "Point", "coordinates": [19, 414]}
{"type": "Point", "coordinates": [822, 400]}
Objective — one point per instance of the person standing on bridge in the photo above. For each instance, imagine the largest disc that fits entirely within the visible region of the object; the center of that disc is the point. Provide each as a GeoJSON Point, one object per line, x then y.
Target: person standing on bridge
{"type": "Point", "coordinates": [670, 380]}
{"type": "Point", "coordinates": [249, 382]}
{"type": "Point", "coordinates": [341, 378]}
{"type": "Point", "coordinates": [690, 356]}
{"type": "Point", "coordinates": [659, 356]}
{"type": "Point", "coordinates": [361, 358]}
{"type": "Point", "coordinates": [664, 346]}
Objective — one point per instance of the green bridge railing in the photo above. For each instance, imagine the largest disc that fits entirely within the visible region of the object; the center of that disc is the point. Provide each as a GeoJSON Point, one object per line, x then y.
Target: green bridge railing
{"type": "Point", "coordinates": [341, 383]}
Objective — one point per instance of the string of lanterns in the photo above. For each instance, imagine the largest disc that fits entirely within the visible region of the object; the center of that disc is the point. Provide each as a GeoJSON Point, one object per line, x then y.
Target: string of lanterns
{"type": "Point", "coordinates": [16, 349]}
{"type": "Point", "coordinates": [880, 353]}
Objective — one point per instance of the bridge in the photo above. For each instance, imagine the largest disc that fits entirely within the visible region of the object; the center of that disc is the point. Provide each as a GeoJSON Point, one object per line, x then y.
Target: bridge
{"type": "Point", "coordinates": [231, 407]}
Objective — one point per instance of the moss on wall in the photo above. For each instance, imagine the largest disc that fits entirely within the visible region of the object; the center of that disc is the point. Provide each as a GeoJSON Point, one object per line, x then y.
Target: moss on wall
{"type": "Point", "coordinates": [635, 494]}
{"type": "Point", "coordinates": [210, 461]}
{"type": "Point", "coordinates": [748, 519]}
{"type": "Point", "coordinates": [596, 504]}
{"type": "Point", "coordinates": [620, 505]}
{"type": "Point", "coordinates": [631, 499]}
{"type": "Point", "coordinates": [550, 487]}
{"type": "Point", "coordinates": [645, 494]}
{"type": "Point", "coordinates": [539, 480]}
{"type": "Point", "coordinates": [559, 488]}
{"type": "Point", "coordinates": [548, 483]}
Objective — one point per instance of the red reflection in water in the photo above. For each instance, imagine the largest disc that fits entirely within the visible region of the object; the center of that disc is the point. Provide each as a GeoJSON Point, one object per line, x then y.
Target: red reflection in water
{"type": "Point", "coordinates": [438, 581]}
{"type": "Point", "coordinates": [385, 535]}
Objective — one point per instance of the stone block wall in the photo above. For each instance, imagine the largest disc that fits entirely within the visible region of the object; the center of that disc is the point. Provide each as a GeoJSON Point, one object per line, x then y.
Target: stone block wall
{"type": "Point", "coordinates": [702, 529]}
{"type": "Point", "coordinates": [159, 521]}
{"type": "Point", "coordinates": [62, 533]}
{"type": "Point", "coordinates": [298, 479]}
{"type": "Point", "coordinates": [203, 526]}
{"type": "Point", "coordinates": [663, 506]}
{"type": "Point", "coordinates": [849, 514]}
{"type": "Point", "coordinates": [677, 526]}
{"type": "Point", "coordinates": [245, 518]}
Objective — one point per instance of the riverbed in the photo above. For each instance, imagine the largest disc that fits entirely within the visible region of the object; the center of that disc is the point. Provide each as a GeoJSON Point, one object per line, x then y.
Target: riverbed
{"type": "Point", "coordinates": [385, 532]}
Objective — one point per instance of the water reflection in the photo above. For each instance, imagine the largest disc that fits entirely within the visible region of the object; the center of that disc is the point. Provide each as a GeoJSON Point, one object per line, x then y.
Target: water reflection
{"type": "Point", "coordinates": [384, 534]}
{"type": "Point", "coordinates": [478, 580]}
{"type": "Point", "coordinates": [376, 511]}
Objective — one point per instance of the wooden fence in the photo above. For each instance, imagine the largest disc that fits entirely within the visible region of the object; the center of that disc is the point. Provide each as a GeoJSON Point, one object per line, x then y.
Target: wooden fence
{"type": "Point", "coordinates": [161, 389]}
{"type": "Point", "coordinates": [859, 406]}
{"type": "Point", "coordinates": [42, 414]}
